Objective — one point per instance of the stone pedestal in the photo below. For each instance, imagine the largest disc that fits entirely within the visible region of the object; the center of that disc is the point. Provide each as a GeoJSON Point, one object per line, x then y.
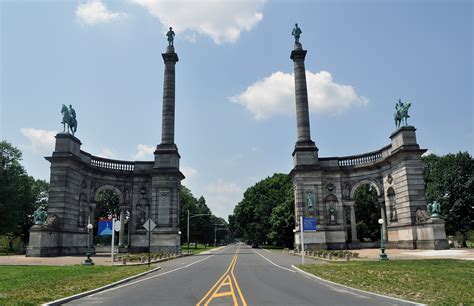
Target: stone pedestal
{"type": "Point", "coordinates": [45, 242]}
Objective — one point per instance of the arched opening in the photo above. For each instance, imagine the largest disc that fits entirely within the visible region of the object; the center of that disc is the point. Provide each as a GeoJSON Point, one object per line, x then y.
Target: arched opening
{"type": "Point", "coordinates": [107, 207]}
{"type": "Point", "coordinates": [367, 213]}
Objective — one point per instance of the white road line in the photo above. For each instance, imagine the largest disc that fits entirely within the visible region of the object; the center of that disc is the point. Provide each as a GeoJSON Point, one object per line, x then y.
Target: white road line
{"type": "Point", "coordinates": [267, 250]}
{"type": "Point", "coordinates": [154, 276]}
{"type": "Point", "coordinates": [276, 265]}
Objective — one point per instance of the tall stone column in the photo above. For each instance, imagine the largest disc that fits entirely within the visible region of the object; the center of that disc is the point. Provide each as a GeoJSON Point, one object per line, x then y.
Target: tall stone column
{"type": "Point", "coordinates": [306, 152]}
{"type": "Point", "coordinates": [166, 154]}
{"type": "Point", "coordinates": [166, 179]}
{"type": "Point", "coordinates": [168, 115]}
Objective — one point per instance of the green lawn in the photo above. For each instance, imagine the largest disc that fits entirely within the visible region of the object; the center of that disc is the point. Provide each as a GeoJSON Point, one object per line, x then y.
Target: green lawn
{"type": "Point", "coordinates": [429, 281]}
{"type": "Point", "coordinates": [32, 285]}
{"type": "Point", "coordinates": [196, 250]}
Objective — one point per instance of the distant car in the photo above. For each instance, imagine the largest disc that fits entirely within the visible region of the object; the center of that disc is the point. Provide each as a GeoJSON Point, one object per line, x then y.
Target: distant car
{"type": "Point", "coordinates": [254, 246]}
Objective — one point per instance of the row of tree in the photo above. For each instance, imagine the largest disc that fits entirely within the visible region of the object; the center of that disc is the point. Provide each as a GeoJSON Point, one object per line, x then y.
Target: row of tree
{"type": "Point", "coordinates": [204, 227]}
{"type": "Point", "coordinates": [450, 181]}
{"type": "Point", "coordinates": [20, 194]}
{"type": "Point", "coordinates": [266, 213]}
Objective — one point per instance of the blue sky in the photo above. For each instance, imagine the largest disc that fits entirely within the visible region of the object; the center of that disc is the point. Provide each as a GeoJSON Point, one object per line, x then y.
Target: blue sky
{"type": "Point", "coordinates": [235, 120]}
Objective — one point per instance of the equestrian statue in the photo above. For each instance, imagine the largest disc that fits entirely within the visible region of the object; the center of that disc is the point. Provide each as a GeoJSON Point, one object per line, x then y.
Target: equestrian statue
{"type": "Point", "coordinates": [69, 118]}
{"type": "Point", "coordinates": [401, 112]}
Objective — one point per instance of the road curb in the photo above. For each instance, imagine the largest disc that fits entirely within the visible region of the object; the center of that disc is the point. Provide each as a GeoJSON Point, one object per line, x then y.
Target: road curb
{"type": "Point", "coordinates": [355, 290]}
{"type": "Point", "coordinates": [83, 294]}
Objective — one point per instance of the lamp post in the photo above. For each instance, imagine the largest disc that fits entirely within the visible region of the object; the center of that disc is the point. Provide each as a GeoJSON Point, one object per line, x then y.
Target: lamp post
{"type": "Point", "coordinates": [383, 256]}
{"type": "Point", "coordinates": [88, 261]}
{"type": "Point", "coordinates": [179, 246]}
{"type": "Point", "coordinates": [187, 228]}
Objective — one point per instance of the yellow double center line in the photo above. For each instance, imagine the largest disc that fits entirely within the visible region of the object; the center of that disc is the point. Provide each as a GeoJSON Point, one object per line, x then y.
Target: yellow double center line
{"type": "Point", "coordinates": [225, 287]}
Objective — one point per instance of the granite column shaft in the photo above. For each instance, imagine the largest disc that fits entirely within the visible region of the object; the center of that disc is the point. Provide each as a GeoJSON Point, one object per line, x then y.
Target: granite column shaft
{"type": "Point", "coordinates": [301, 94]}
{"type": "Point", "coordinates": [168, 115]}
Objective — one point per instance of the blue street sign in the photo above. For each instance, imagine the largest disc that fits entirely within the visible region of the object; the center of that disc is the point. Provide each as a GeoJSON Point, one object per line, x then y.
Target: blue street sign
{"type": "Point", "coordinates": [105, 228]}
{"type": "Point", "coordinates": [309, 224]}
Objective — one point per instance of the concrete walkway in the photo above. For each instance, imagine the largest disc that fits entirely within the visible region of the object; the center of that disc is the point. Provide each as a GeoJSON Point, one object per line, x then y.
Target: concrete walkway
{"type": "Point", "coordinates": [364, 254]}
{"type": "Point", "coordinates": [464, 254]}
{"type": "Point", "coordinates": [101, 259]}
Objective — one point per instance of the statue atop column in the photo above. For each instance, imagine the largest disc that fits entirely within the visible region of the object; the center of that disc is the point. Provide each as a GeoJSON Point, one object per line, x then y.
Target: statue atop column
{"type": "Point", "coordinates": [170, 36]}
{"type": "Point", "coordinates": [296, 33]}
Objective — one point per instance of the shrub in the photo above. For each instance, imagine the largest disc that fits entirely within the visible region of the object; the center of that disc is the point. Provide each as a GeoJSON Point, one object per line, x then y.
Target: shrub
{"type": "Point", "coordinates": [4, 244]}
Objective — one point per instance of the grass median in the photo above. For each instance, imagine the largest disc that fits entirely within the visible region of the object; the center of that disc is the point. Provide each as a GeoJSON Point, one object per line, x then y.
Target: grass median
{"type": "Point", "coordinates": [429, 281]}
{"type": "Point", "coordinates": [33, 285]}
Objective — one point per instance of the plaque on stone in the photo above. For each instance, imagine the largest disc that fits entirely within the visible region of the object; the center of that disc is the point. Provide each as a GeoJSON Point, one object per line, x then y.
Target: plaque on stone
{"type": "Point", "coordinates": [164, 203]}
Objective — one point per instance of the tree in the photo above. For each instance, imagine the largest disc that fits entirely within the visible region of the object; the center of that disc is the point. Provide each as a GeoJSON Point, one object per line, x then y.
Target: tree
{"type": "Point", "coordinates": [201, 228]}
{"type": "Point", "coordinates": [107, 204]}
{"type": "Point", "coordinates": [367, 211]}
{"type": "Point", "coordinates": [264, 204]}
{"type": "Point", "coordinates": [449, 180]}
{"type": "Point", "coordinates": [283, 222]}
{"type": "Point", "coordinates": [20, 194]}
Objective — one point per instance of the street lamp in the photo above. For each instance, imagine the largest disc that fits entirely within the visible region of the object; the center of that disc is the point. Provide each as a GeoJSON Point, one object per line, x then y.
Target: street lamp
{"type": "Point", "coordinates": [383, 256]}
{"type": "Point", "coordinates": [179, 246]}
{"type": "Point", "coordinates": [88, 261]}
{"type": "Point", "coordinates": [187, 228]}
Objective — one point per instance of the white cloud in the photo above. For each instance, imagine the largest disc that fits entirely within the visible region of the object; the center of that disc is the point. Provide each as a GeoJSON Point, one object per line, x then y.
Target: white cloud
{"type": "Point", "coordinates": [221, 197]}
{"type": "Point", "coordinates": [144, 151]}
{"type": "Point", "coordinates": [94, 12]}
{"type": "Point", "coordinates": [275, 95]}
{"type": "Point", "coordinates": [427, 153]}
{"type": "Point", "coordinates": [40, 140]}
{"type": "Point", "coordinates": [189, 172]}
{"type": "Point", "coordinates": [107, 153]}
{"type": "Point", "coordinates": [221, 20]}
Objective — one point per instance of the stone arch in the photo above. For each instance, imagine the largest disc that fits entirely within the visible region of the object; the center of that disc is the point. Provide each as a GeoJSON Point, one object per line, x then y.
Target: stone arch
{"type": "Point", "coordinates": [364, 182]}
{"type": "Point", "coordinates": [112, 188]}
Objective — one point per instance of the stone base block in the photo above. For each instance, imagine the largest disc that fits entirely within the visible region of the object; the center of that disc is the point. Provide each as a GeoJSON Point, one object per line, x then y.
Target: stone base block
{"type": "Point", "coordinates": [46, 243]}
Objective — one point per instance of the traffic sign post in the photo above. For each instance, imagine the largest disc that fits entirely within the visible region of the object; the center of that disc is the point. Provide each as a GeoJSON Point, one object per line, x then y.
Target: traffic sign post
{"type": "Point", "coordinates": [149, 226]}
{"type": "Point", "coordinates": [302, 239]}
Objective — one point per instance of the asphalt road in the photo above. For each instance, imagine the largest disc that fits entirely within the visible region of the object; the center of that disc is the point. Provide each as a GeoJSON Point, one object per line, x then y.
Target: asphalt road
{"type": "Point", "coordinates": [234, 275]}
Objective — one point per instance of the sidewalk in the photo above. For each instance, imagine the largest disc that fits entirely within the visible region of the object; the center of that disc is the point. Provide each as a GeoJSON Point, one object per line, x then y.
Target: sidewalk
{"type": "Point", "coordinates": [373, 254]}
{"type": "Point", "coordinates": [101, 259]}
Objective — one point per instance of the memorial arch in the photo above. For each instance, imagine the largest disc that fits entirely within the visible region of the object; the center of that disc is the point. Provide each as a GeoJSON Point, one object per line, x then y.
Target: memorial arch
{"type": "Point", "coordinates": [146, 189]}
{"type": "Point", "coordinates": [324, 187]}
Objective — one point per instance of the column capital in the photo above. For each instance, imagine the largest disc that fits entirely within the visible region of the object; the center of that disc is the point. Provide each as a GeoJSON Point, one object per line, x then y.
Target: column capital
{"type": "Point", "coordinates": [170, 57]}
{"type": "Point", "coordinates": [298, 54]}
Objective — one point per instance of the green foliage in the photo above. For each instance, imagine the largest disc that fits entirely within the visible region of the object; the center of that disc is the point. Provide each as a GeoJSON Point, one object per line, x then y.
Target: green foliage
{"type": "Point", "coordinates": [20, 194]}
{"type": "Point", "coordinates": [201, 228]}
{"type": "Point", "coordinates": [367, 213]}
{"type": "Point", "coordinates": [107, 204]}
{"type": "Point", "coordinates": [265, 215]}
{"type": "Point", "coordinates": [449, 180]}
{"type": "Point", "coordinates": [4, 244]}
